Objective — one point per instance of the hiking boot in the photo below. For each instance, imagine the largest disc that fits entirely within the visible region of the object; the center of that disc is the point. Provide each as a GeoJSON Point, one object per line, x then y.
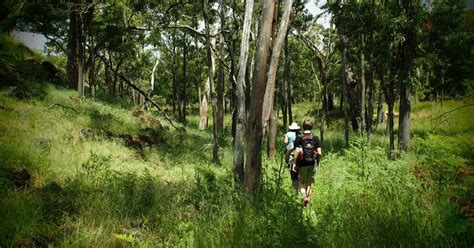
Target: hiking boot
{"type": "Point", "coordinates": [305, 201]}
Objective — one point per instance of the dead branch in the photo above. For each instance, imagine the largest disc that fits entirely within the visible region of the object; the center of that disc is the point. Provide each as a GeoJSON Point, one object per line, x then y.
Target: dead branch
{"type": "Point", "coordinates": [452, 110]}
{"type": "Point", "coordinates": [187, 27]}
{"type": "Point", "coordinates": [64, 107]}
{"type": "Point", "coordinates": [147, 98]}
{"type": "Point", "coordinates": [131, 84]}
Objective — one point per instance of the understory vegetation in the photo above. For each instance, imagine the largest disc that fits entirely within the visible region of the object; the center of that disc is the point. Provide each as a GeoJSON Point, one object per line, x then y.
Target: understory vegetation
{"type": "Point", "coordinates": [88, 173]}
{"type": "Point", "coordinates": [101, 171]}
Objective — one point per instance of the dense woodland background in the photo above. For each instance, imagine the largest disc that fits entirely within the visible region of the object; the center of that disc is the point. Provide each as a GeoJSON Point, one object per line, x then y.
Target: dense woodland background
{"type": "Point", "coordinates": [160, 123]}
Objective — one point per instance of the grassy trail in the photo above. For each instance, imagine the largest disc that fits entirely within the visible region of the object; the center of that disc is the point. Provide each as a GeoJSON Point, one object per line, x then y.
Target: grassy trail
{"type": "Point", "coordinates": [102, 175]}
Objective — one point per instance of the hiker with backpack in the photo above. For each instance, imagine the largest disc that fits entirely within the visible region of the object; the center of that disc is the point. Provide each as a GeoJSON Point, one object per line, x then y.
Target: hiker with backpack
{"type": "Point", "coordinates": [307, 150]}
{"type": "Point", "coordinates": [290, 137]}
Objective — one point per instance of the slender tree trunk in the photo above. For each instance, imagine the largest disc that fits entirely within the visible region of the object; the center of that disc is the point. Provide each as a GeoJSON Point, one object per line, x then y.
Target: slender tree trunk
{"type": "Point", "coordinates": [330, 100]}
{"type": "Point", "coordinates": [199, 94]}
{"type": "Point", "coordinates": [72, 47]}
{"type": "Point", "coordinates": [204, 107]}
{"type": "Point", "coordinates": [233, 100]}
{"type": "Point", "coordinates": [107, 71]}
{"type": "Point", "coordinates": [115, 79]}
{"type": "Point", "coordinates": [90, 26]}
{"type": "Point", "coordinates": [344, 95]}
{"type": "Point", "coordinates": [325, 106]}
{"type": "Point", "coordinates": [210, 70]}
{"type": "Point", "coordinates": [362, 92]}
{"type": "Point", "coordinates": [370, 107]}
{"type": "Point", "coordinates": [380, 108]}
{"type": "Point", "coordinates": [92, 81]}
{"type": "Point", "coordinates": [289, 92]}
{"type": "Point", "coordinates": [174, 81]}
{"type": "Point", "coordinates": [269, 97]}
{"type": "Point", "coordinates": [185, 78]}
{"type": "Point", "coordinates": [152, 80]}
{"type": "Point", "coordinates": [404, 117]}
{"type": "Point", "coordinates": [207, 92]}
{"type": "Point", "coordinates": [408, 51]}
{"type": "Point", "coordinates": [221, 77]}
{"type": "Point", "coordinates": [272, 131]}
{"type": "Point", "coordinates": [390, 103]}
{"type": "Point", "coordinates": [241, 116]}
{"type": "Point", "coordinates": [80, 62]}
{"type": "Point", "coordinates": [286, 82]}
{"type": "Point", "coordinates": [254, 129]}
{"type": "Point", "coordinates": [248, 83]}
{"type": "Point", "coordinates": [341, 98]}
{"type": "Point", "coordinates": [283, 103]}
{"type": "Point", "coordinates": [134, 98]}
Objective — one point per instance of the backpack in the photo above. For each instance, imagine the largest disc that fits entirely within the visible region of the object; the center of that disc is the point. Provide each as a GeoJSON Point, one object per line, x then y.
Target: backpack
{"type": "Point", "coordinates": [309, 149]}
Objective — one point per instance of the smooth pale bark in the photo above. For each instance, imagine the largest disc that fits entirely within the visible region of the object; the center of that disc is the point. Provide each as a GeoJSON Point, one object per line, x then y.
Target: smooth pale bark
{"type": "Point", "coordinates": [199, 94]}
{"type": "Point", "coordinates": [254, 129]}
{"type": "Point", "coordinates": [276, 52]}
{"type": "Point", "coordinates": [152, 80]}
{"type": "Point", "coordinates": [240, 126]}
{"type": "Point", "coordinates": [287, 115]}
{"type": "Point", "coordinates": [221, 77]}
{"type": "Point", "coordinates": [210, 73]}
{"type": "Point", "coordinates": [204, 107]}
{"type": "Point", "coordinates": [233, 100]}
{"type": "Point", "coordinates": [284, 100]}
{"type": "Point", "coordinates": [269, 97]}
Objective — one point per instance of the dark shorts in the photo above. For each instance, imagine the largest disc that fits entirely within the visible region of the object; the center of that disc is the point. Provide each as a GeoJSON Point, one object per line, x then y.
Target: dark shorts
{"type": "Point", "coordinates": [306, 175]}
{"type": "Point", "coordinates": [306, 171]}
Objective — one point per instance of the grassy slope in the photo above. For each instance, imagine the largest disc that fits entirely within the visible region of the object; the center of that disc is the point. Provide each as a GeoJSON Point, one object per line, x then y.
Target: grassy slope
{"type": "Point", "coordinates": [87, 145]}
{"type": "Point", "coordinates": [104, 176]}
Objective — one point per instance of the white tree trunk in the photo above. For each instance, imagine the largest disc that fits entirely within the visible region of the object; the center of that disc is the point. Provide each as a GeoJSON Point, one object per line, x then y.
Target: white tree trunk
{"type": "Point", "coordinates": [240, 127]}
{"type": "Point", "coordinates": [253, 169]}
{"type": "Point", "coordinates": [152, 81]}
{"type": "Point", "coordinates": [204, 108]}
{"type": "Point", "coordinates": [276, 52]}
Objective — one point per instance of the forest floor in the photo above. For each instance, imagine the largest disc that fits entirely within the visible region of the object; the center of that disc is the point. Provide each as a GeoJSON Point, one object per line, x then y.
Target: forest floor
{"type": "Point", "coordinates": [93, 173]}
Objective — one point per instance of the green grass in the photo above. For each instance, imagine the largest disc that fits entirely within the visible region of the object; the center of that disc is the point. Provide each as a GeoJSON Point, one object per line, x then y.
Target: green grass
{"type": "Point", "coordinates": [103, 182]}
{"type": "Point", "coordinates": [92, 186]}
{"type": "Point", "coordinates": [105, 174]}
